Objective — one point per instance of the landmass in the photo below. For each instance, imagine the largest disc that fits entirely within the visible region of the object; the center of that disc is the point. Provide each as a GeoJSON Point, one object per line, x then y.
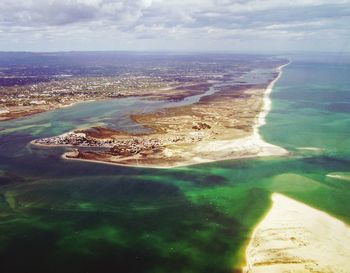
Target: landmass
{"type": "Point", "coordinates": [222, 124]}
{"type": "Point", "coordinates": [33, 87]}
{"type": "Point", "coordinates": [294, 237]}
{"type": "Point", "coordinates": [20, 101]}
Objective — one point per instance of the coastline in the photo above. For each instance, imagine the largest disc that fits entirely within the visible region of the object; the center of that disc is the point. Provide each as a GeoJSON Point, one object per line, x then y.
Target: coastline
{"type": "Point", "coordinates": [261, 118]}
{"type": "Point", "coordinates": [177, 93]}
{"type": "Point", "coordinates": [293, 236]}
{"type": "Point", "coordinates": [206, 151]}
{"type": "Point", "coordinates": [65, 157]}
{"type": "Point", "coordinates": [36, 111]}
{"type": "Point", "coordinates": [267, 102]}
{"type": "Point", "coordinates": [255, 140]}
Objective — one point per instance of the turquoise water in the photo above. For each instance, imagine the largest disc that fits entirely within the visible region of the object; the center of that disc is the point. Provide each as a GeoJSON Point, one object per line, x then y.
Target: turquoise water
{"type": "Point", "coordinates": [311, 109]}
{"type": "Point", "coordinates": [61, 216]}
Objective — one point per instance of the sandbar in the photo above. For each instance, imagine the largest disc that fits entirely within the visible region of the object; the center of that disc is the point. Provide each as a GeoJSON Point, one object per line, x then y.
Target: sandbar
{"type": "Point", "coordinates": [294, 237]}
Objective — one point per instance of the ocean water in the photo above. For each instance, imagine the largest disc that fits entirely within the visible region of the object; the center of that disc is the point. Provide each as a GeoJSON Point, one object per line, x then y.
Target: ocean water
{"type": "Point", "coordinates": [62, 216]}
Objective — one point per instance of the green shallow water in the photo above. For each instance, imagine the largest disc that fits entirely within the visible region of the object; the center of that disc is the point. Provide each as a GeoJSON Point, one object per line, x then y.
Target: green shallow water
{"type": "Point", "coordinates": [60, 216]}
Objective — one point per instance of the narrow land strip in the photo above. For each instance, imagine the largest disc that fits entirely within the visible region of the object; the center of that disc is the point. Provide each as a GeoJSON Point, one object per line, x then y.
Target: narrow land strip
{"type": "Point", "coordinates": [220, 126]}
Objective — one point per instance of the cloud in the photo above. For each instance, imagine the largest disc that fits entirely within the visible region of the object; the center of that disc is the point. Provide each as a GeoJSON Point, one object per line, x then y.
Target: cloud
{"type": "Point", "coordinates": [166, 21]}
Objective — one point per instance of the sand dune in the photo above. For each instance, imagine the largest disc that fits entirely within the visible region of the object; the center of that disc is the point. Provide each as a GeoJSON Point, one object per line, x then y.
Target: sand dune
{"type": "Point", "coordinates": [296, 238]}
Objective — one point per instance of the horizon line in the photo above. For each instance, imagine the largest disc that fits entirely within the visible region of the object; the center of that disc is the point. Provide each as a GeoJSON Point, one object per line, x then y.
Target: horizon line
{"type": "Point", "coordinates": [299, 52]}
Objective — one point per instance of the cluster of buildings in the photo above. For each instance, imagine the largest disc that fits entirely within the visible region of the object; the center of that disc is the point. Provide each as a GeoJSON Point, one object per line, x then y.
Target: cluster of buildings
{"type": "Point", "coordinates": [123, 147]}
{"type": "Point", "coordinates": [69, 90]}
{"type": "Point", "coordinates": [76, 139]}
{"type": "Point", "coordinates": [135, 146]}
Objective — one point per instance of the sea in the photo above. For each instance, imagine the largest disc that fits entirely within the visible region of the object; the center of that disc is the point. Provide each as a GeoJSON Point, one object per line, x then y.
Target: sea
{"type": "Point", "coordinates": [79, 217]}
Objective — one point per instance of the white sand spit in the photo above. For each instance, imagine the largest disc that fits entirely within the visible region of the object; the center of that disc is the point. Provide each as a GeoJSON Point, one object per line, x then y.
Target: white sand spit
{"type": "Point", "coordinates": [296, 238]}
{"type": "Point", "coordinates": [340, 176]}
{"type": "Point", "coordinates": [250, 146]}
{"type": "Point", "coordinates": [315, 149]}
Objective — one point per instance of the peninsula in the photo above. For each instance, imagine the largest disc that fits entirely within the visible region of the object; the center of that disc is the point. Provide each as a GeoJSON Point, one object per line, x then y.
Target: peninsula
{"type": "Point", "coordinates": [215, 119]}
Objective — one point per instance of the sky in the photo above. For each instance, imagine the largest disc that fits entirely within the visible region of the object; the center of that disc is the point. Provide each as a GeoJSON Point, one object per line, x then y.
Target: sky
{"type": "Point", "coordinates": [175, 25]}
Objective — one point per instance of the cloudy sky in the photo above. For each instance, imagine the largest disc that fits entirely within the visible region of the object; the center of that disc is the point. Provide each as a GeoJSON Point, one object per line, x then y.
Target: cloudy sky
{"type": "Point", "coordinates": [190, 25]}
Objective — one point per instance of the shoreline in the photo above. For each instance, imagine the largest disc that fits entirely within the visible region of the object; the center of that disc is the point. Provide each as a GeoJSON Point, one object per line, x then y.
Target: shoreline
{"type": "Point", "coordinates": [255, 139]}
{"type": "Point", "coordinates": [267, 102]}
{"type": "Point", "coordinates": [251, 146]}
{"type": "Point", "coordinates": [296, 237]}
{"type": "Point", "coordinates": [42, 110]}
{"type": "Point", "coordinates": [159, 167]}
{"type": "Point", "coordinates": [266, 109]}
{"type": "Point", "coordinates": [65, 157]}
{"type": "Point", "coordinates": [7, 115]}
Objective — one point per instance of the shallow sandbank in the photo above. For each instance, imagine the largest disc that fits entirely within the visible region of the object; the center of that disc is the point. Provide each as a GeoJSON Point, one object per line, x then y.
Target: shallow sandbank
{"type": "Point", "coordinates": [294, 237]}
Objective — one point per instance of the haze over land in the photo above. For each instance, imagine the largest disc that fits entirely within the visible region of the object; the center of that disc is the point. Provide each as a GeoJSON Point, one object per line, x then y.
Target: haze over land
{"type": "Point", "coordinates": [215, 25]}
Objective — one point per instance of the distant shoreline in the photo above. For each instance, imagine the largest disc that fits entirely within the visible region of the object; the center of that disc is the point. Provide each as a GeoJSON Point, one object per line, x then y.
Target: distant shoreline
{"type": "Point", "coordinates": [267, 105]}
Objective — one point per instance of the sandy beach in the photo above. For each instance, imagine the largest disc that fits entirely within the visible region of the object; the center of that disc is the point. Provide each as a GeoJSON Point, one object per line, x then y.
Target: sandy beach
{"type": "Point", "coordinates": [253, 144]}
{"type": "Point", "coordinates": [294, 237]}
